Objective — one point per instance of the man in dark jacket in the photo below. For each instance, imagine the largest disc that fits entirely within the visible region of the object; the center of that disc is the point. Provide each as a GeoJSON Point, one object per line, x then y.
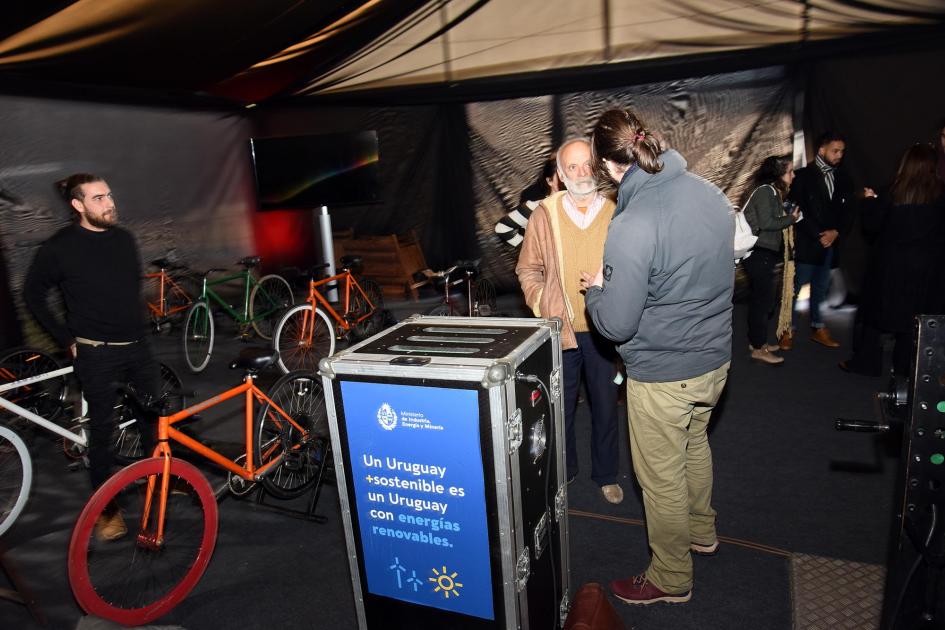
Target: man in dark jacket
{"type": "Point", "coordinates": [824, 194]}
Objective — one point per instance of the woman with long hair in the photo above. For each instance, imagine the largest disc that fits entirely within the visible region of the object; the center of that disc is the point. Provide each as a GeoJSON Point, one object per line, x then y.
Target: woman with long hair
{"type": "Point", "coordinates": [765, 213]}
{"type": "Point", "coordinates": [906, 268]}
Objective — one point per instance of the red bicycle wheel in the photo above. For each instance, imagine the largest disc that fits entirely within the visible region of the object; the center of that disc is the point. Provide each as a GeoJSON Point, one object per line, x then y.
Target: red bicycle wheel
{"type": "Point", "coordinates": [133, 580]}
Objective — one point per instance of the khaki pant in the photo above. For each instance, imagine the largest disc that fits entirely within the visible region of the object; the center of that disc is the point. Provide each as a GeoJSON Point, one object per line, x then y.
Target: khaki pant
{"type": "Point", "coordinates": [673, 463]}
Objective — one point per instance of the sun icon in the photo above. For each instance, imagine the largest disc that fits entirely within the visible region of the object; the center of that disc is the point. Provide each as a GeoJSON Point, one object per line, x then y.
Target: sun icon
{"type": "Point", "coordinates": [446, 583]}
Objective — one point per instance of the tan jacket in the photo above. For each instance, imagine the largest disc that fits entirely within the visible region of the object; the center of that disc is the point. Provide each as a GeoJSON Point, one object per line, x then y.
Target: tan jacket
{"type": "Point", "coordinates": [539, 267]}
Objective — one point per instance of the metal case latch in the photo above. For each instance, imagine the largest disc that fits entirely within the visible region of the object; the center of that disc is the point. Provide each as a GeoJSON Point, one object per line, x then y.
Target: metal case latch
{"type": "Point", "coordinates": [514, 430]}
{"type": "Point", "coordinates": [560, 503]}
{"type": "Point", "coordinates": [555, 384]}
{"type": "Point", "coordinates": [522, 570]}
{"type": "Point", "coordinates": [540, 535]}
{"type": "Point", "coordinates": [565, 607]}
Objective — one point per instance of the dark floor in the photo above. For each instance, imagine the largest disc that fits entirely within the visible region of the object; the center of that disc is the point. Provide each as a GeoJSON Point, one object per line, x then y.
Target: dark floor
{"type": "Point", "coordinates": [784, 484]}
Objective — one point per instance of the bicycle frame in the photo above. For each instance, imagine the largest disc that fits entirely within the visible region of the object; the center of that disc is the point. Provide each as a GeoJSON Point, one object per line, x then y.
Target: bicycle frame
{"type": "Point", "coordinates": [167, 432]}
{"type": "Point", "coordinates": [249, 281]}
{"type": "Point", "coordinates": [78, 438]}
{"type": "Point", "coordinates": [315, 298]}
{"type": "Point", "coordinates": [166, 285]}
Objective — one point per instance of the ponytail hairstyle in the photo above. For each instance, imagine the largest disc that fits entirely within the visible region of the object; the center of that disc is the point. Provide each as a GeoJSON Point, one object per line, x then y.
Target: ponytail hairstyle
{"type": "Point", "coordinates": [621, 137]}
{"type": "Point", "coordinates": [71, 187]}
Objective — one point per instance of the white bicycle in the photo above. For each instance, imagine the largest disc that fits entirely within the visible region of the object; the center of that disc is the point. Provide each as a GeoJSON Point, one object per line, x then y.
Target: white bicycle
{"type": "Point", "coordinates": [23, 397]}
{"type": "Point", "coordinates": [33, 389]}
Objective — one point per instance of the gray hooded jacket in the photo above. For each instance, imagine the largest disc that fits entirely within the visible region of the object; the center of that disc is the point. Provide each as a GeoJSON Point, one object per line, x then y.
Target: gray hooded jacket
{"type": "Point", "coordinates": [668, 275]}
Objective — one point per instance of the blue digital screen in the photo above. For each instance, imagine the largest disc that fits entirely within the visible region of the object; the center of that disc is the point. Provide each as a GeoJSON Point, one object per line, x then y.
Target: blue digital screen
{"type": "Point", "coordinates": [416, 464]}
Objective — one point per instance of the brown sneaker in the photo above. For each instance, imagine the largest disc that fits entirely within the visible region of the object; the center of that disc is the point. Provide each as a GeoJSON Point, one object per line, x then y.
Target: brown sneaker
{"type": "Point", "coordinates": [638, 590]}
{"type": "Point", "coordinates": [786, 342]}
{"type": "Point", "coordinates": [822, 336]}
{"type": "Point", "coordinates": [110, 527]}
{"type": "Point", "coordinates": [763, 356]}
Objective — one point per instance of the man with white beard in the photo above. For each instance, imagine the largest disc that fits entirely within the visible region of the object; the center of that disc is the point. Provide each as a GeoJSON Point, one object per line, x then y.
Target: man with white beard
{"type": "Point", "coordinates": [565, 236]}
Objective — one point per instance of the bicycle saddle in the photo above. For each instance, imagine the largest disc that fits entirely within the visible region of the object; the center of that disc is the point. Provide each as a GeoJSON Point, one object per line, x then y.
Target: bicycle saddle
{"type": "Point", "coordinates": [249, 261]}
{"type": "Point", "coordinates": [469, 267]}
{"type": "Point", "coordinates": [254, 359]}
{"type": "Point", "coordinates": [351, 262]}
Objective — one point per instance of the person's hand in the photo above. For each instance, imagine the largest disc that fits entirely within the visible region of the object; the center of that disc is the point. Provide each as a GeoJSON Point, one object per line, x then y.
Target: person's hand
{"type": "Point", "coordinates": [588, 281]}
{"type": "Point", "coordinates": [796, 214]}
{"type": "Point", "coordinates": [827, 237]}
{"type": "Point", "coordinates": [72, 351]}
{"type": "Point", "coordinates": [869, 193]}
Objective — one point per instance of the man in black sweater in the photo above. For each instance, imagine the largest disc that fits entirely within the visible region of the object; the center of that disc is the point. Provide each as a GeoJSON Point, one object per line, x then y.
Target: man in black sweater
{"type": "Point", "coordinates": [96, 266]}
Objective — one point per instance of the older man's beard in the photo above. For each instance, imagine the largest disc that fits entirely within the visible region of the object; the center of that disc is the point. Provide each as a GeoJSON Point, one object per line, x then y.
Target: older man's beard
{"type": "Point", "coordinates": [580, 187]}
{"type": "Point", "coordinates": [103, 221]}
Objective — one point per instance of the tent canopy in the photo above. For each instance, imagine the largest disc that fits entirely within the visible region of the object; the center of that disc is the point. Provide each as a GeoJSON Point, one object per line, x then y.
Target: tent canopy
{"type": "Point", "coordinates": [251, 52]}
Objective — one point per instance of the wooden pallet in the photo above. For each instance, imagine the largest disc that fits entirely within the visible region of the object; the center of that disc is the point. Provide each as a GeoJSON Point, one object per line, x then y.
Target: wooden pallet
{"type": "Point", "coordinates": [391, 260]}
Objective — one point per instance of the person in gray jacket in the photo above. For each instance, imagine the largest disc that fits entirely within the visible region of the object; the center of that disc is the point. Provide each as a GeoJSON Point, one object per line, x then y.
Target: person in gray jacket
{"type": "Point", "coordinates": [664, 294]}
{"type": "Point", "coordinates": [765, 213]}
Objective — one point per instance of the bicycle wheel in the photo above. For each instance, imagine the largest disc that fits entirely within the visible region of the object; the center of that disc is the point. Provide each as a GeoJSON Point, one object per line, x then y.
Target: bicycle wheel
{"type": "Point", "coordinates": [302, 337]}
{"type": "Point", "coordinates": [361, 307]}
{"type": "Point", "coordinates": [485, 304]}
{"type": "Point", "coordinates": [16, 477]}
{"type": "Point", "coordinates": [300, 395]}
{"type": "Point", "coordinates": [45, 398]}
{"type": "Point", "coordinates": [198, 336]}
{"type": "Point", "coordinates": [135, 579]}
{"type": "Point", "coordinates": [126, 436]}
{"type": "Point", "coordinates": [442, 310]}
{"type": "Point", "coordinates": [270, 297]}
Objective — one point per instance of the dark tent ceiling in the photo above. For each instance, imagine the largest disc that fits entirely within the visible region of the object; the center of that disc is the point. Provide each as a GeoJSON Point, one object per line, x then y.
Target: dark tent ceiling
{"type": "Point", "coordinates": [250, 51]}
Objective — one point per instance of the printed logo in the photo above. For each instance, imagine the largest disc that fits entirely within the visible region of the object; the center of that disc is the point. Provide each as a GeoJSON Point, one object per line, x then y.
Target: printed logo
{"type": "Point", "coordinates": [387, 417]}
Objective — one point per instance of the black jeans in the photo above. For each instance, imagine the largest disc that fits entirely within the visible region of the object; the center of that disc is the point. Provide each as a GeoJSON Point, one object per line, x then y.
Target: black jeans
{"type": "Point", "coordinates": [594, 356]}
{"type": "Point", "coordinates": [100, 371]}
{"type": "Point", "coordinates": [760, 269]}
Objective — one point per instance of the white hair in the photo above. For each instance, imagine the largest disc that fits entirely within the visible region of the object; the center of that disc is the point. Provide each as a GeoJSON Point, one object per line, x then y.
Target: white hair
{"type": "Point", "coordinates": [565, 145]}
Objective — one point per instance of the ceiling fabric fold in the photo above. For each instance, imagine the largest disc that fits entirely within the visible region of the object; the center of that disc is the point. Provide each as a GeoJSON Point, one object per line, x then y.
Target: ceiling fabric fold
{"type": "Point", "coordinates": [249, 52]}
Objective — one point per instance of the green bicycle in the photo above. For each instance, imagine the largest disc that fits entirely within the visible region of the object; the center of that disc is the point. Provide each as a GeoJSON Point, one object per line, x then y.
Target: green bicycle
{"type": "Point", "coordinates": [263, 302]}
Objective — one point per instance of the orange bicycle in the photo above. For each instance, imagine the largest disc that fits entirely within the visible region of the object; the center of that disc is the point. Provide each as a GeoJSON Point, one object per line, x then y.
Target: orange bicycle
{"type": "Point", "coordinates": [305, 333]}
{"type": "Point", "coordinates": [169, 296]}
{"type": "Point", "coordinates": [170, 508]}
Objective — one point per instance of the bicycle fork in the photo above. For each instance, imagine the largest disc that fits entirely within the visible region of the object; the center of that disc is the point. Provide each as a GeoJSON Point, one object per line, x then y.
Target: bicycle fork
{"type": "Point", "coordinates": [155, 541]}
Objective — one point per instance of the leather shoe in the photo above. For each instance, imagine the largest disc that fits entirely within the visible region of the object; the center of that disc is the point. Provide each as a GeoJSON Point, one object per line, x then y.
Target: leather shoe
{"type": "Point", "coordinates": [612, 492]}
{"type": "Point", "coordinates": [763, 356]}
{"type": "Point", "coordinates": [786, 342]}
{"type": "Point", "coordinates": [822, 336]}
{"type": "Point", "coordinates": [769, 347]}
{"type": "Point", "coordinates": [110, 527]}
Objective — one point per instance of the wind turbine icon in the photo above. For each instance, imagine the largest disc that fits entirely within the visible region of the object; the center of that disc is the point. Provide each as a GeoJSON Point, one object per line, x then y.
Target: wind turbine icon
{"type": "Point", "coordinates": [399, 569]}
{"type": "Point", "coordinates": [414, 581]}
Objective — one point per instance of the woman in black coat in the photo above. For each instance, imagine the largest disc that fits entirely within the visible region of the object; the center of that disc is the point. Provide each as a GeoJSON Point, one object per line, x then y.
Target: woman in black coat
{"type": "Point", "coordinates": [905, 276]}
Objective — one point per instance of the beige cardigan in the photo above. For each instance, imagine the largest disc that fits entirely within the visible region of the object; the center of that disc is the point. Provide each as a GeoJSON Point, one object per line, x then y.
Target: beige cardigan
{"type": "Point", "coordinates": [539, 267]}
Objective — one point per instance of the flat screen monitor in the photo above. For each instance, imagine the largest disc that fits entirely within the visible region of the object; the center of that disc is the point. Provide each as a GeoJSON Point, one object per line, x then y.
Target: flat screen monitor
{"type": "Point", "coordinates": [320, 170]}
